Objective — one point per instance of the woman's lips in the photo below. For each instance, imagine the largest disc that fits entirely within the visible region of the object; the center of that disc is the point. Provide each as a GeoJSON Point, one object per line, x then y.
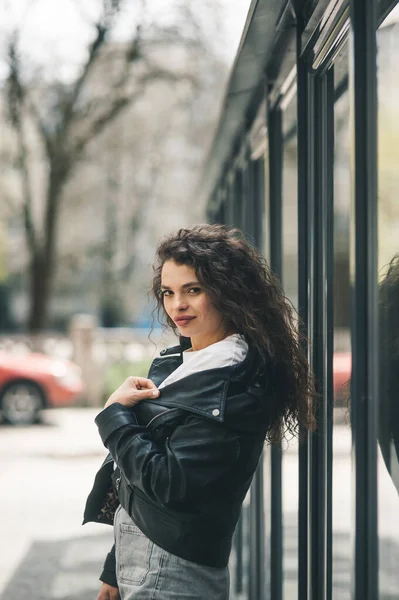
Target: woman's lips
{"type": "Point", "coordinates": [183, 320]}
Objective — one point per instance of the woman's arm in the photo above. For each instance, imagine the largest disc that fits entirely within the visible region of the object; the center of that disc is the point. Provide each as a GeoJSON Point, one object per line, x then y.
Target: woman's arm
{"type": "Point", "coordinates": [109, 569]}
{"type": "Point", "coordinates": [197, 453]}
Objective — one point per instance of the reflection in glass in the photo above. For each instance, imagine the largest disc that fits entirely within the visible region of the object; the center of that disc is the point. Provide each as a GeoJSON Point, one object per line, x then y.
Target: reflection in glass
{"type": "Point", "coordinates": [388, 293]}
{"type": "Point", "coordinates": [290, 284]}
{"type": "Point", "coordinates": [342, 438]}
{"type": "Point", "coordinates": [267, 495]}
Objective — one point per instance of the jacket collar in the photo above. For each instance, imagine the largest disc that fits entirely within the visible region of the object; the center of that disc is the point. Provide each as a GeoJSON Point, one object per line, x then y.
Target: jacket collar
{"type": "Point", "coordinates": [203, 393]}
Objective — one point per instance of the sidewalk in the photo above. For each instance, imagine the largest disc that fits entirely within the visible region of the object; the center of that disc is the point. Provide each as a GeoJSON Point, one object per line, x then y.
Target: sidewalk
{"type": "Point", "coordinates": [59, 570]}
{"type": "Point", "coordinates": [46, 473]}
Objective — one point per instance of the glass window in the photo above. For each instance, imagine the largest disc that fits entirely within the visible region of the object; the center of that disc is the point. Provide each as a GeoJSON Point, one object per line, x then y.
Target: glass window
{"type": "Point", "coordinates": [267, 496]}
{"type": "Point", "coordinates": [266, 461]}
{"type": "Point", "coordinates": [290, 285]}
{"type": "Point", "coordinates": [388, 264]}
{"type": "Point", "coordinates": [342, 438]}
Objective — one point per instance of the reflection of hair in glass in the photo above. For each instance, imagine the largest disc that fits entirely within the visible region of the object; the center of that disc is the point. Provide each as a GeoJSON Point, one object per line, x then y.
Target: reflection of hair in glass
{"type": "Point", "coordinates": [388, 433]}
{"type": "Point", "coordinates": [243, 288]}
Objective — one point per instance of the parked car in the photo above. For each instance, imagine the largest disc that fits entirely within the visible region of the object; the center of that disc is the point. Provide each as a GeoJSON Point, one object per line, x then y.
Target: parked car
{"type": "Point", "coordinates": [342, 368]}
{"type": "Point", "coordinates": [35, 381]}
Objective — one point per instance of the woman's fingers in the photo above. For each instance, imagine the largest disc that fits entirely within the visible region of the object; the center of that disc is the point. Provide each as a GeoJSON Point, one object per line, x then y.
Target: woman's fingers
{"type": "Point", "coordinates": [142, 383]}
{"type": "Point", "coordinates": [108, 592]}
{"type": "Point", "coordinates": [145, 394]}
{"type": "Point", "coordinates": [114, 594]}
{"type": "Point", "coordinates": [143, 388]}
{"type": "Point", "coordinates": [133, 390]}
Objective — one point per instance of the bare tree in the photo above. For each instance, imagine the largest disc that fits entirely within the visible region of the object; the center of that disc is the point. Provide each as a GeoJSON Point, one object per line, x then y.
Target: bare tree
{"type": "Point", "coordinates": [67, 117]}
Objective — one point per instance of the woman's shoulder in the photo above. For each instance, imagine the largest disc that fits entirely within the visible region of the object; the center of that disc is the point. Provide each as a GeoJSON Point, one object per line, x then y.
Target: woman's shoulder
{"type": "Point", "coordinates": [249, 401]}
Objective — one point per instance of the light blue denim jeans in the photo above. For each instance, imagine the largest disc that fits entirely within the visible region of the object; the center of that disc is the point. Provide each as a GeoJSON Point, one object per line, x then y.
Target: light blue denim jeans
{"type": "Point", "coordinates": [147, 572]}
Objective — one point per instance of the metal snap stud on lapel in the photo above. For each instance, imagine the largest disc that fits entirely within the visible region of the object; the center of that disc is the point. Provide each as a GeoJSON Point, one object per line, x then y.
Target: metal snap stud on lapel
{"type": "Point", "coordinates": [216, 412]}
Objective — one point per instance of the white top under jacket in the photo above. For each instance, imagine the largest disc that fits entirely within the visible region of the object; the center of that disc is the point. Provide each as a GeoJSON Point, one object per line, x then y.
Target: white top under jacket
{"type": "Point", "coordinates": [226, 353]}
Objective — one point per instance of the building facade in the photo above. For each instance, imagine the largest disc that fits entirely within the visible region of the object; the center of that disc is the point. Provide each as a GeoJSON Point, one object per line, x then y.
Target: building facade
{"type": "Point", "coordinates": [306, 161]}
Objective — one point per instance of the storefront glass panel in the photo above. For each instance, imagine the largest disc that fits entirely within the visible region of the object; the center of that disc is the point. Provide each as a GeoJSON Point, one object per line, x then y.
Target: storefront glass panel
{"type": "Point", "coordinates": [388, 295]}
{"type": "Point", "coordinates": [342, 438]}
{"type": "Point", "coordinates": [290, 285]}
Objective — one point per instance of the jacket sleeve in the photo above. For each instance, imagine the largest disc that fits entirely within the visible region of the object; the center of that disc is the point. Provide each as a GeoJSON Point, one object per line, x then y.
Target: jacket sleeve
{"type": "Point", "coordinates": [198, 453]}
{"type": "Point", "coordinates": [108, 574]}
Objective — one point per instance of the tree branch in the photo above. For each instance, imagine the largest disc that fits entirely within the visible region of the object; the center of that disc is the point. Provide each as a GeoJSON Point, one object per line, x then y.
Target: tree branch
{"type": "Point", "coordinates": [93, 51]}
{"type": "Point", "coordinates": [48, 143]}
{"type": "Point", "coordinates": [97, 126]}
{"type": "Point", "coordinates": [103, 26]}
{"type": "Point", "coordinates": [26, 190]}
{"type": "Point", "coordinates": [16, 99]}
{"type": "Point", "coordinates": [116, 107]}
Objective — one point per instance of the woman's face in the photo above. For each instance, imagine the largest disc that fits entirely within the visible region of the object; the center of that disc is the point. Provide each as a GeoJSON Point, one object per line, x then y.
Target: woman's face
{"type": "Point", "coordinates": [189, 305]}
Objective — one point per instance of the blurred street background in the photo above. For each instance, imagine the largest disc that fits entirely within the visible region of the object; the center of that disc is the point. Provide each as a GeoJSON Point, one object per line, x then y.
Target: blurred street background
{"type": "Point", "coordinates": [107, 112]}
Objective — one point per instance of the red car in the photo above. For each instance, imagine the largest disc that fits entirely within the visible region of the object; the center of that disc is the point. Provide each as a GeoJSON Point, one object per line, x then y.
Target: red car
{"type": "Point", "coordinates": [31, 382]}
{"type": "Point", "coordinates": [342, 368]}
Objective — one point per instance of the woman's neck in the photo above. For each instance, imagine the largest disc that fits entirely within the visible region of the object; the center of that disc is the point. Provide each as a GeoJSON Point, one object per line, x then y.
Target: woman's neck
{"type": "Point", "coordinates": [201, 342]}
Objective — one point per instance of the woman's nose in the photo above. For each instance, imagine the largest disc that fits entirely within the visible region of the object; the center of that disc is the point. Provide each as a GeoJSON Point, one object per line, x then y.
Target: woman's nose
{"type": "Point", "coordinates": [180, 303]}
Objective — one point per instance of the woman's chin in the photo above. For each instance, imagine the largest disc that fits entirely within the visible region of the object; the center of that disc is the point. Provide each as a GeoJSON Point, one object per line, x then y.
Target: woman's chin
{"type": "Point", "coordinates": [186, 330]}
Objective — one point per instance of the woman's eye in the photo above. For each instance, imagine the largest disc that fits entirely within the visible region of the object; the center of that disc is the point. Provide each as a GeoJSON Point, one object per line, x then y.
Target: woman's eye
{"type": "Point", "coordinates": [194, 290]}
{"type": "Point", "coordinates": [165, 292]}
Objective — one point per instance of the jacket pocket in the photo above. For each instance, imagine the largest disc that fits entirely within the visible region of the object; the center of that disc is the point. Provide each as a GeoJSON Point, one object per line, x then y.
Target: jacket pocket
{"type": "Point", "coordinates": [134, 553]}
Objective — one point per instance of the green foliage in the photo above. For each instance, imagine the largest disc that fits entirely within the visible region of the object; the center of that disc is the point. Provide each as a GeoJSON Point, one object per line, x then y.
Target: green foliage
{"type": "Point", "coordinates": [118, 372]}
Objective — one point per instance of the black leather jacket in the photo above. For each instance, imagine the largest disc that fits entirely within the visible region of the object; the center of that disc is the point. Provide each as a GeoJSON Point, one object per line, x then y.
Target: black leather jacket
{"type": "Point", "coordinates": [185, 460]}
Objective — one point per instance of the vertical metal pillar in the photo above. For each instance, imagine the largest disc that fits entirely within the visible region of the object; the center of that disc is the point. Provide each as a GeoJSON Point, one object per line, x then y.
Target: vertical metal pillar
{"type": "Point", "coordinates": [275, 194]}
{"type": "Point", "coordinates": [257, 522]}
{"type": "Point", "coordinates": [315, 277]}
{"type": "Point", "coordinates": [321, 337]}
{"type": "Point", "coordinates": [238, 200]}
{"type": "Point", "coordinates": [220, 217]}
{"type": "Point", "coordinates": [305, 193]}
{"type": "Point", "coordinates": [247, 197]}
{"type": "Point", "coordinates": [257, 541]}
{"type": "Point", "coordinates": [229, 211]}
{"type": "Point", "coordinates": [364, 387]}
{"type": "Point", "coordinates": [260, 204]}
{"type": "Point", "coordinates": [253, 213]}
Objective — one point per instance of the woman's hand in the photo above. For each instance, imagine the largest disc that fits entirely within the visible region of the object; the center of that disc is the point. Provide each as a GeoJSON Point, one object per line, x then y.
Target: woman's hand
{"type": "Point", "coordinates": [132, 391]}
{"type": "Point", "coordinates": [108, 592]}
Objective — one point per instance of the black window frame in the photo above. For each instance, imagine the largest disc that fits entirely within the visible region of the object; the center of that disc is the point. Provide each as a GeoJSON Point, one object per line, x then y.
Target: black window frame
{"type": "Point", "coordinates": [317, 44]}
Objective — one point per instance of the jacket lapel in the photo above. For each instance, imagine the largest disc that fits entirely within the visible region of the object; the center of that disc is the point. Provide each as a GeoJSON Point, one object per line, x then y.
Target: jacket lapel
{"type": "Point", "coordinates": [203, 393]}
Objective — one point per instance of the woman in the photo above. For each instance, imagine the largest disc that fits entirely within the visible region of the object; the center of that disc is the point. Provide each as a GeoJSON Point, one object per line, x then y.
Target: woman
{"type": "Point", "coordinates": [388, 353]}
{"type": "Point", "coordinates": [187, 440]}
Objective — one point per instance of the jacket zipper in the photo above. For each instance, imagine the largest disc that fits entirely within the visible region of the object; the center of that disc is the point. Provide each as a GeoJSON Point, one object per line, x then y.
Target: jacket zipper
{"type": "Point", "coordinates": [168, 410]}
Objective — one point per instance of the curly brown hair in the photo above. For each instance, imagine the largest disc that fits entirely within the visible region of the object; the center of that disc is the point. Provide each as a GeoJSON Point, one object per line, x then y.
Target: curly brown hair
{"type": "Point", "coordinates": [241, 285]}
